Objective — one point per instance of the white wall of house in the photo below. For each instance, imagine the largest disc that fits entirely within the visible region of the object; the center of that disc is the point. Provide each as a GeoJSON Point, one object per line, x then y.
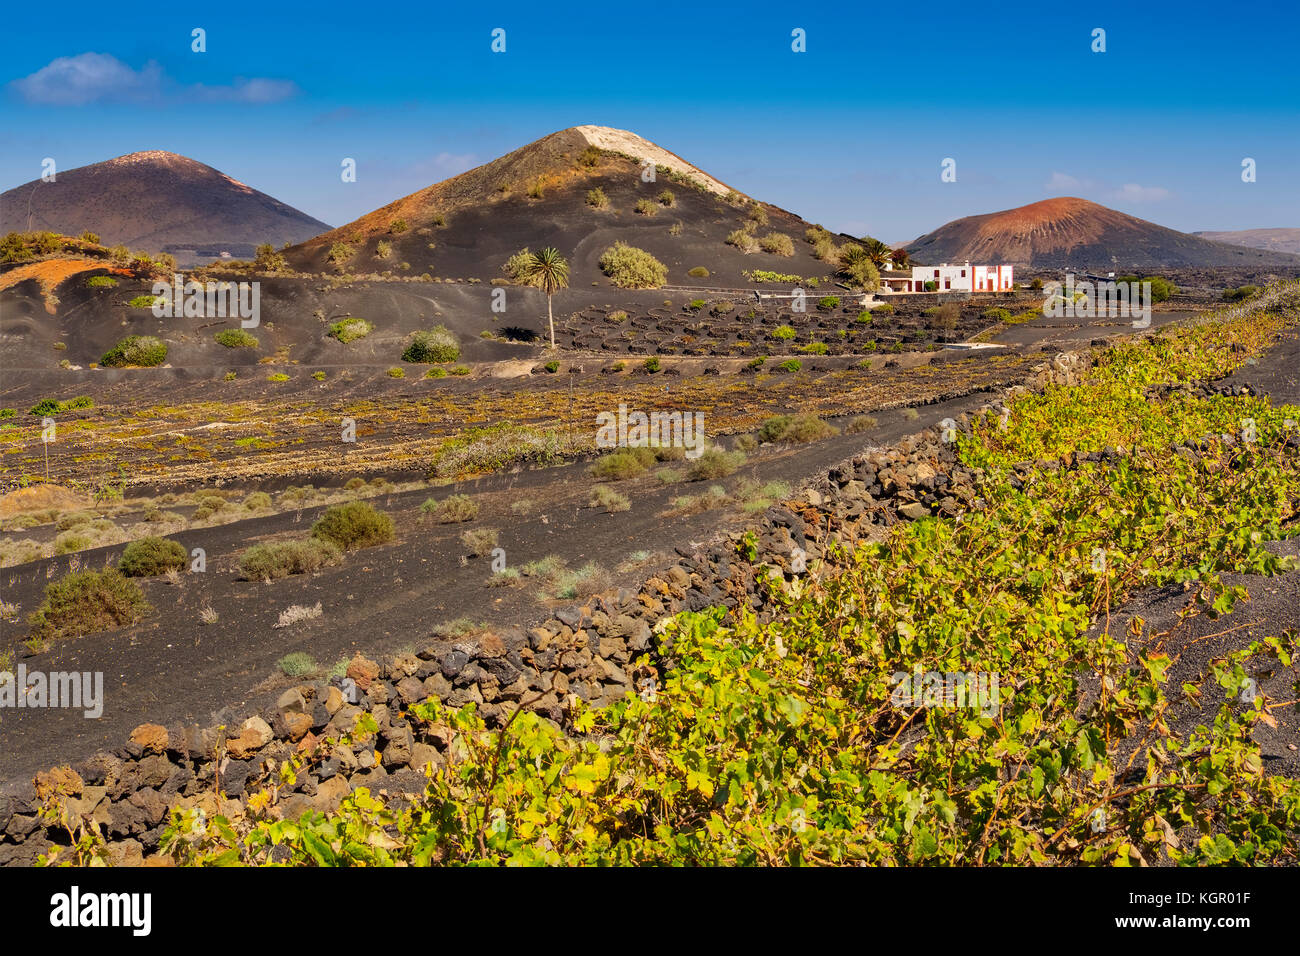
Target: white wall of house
{"type": "Point", "coordinates": [961, 278]}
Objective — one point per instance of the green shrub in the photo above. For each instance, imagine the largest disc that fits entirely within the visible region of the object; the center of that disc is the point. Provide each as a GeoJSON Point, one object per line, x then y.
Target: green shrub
{"type": "Point", "coordinates": [279, 559]}
{"type": "Point", "coordinates": [757, 214]}
{"type": "Point", "coordinates": [150, 556]}
{"type": "Point", "coordinates": [354, 525]}
{"type": "Point", "coordinates": [46, 406]}
{"type": "Point", "coordinates": [451, 510]}
{"type": "Point", "coordinates": [801, 427]}
{"type": "Point", "coordinates": [436, 372]}
{"type": "Point", "coordinates": [552, 367]}
{"type": "Point", "coordinates": [257, 500]}
{"type": "Point", "coordinates": [1161, 289]}
{"type": "Point", "coordinates": [277, 377]}
{"type": "Point", "coordinates": [995, 315]}
{"type": "Point", "coordinates": [340, 253]}
{"type": "Point", "coordinates": [783, 333]}
{"type": "Point", "coordinates": [297, 664]}
{"type": "Point", "coordinates": [318, 376]}
{"type": "Point", "coordinates": [828, 303]}
{"type": "Point", "coordinates": [101, 282]}
{"type": "Point", "coordinates": [603, 496]}
{"type": "Point", "coordinates": [71, 541]}
{"type": "Point", "coordinates": [815, 348]}
{"type": "Point", "coordinates": [790, 365]}
{"type": "Point", "coordinates": [236, 339]}
{"type": "Point", "coordinates": [350, 329]}
{"type": "Point", "coordinates": [883, 309]}
{"type": "Point", "coordinates": [777, 244]}
{"type": "Point", "coordinates": [479, 541]}
{"type": "Point", "coordinates": [699, 272]}
{"type": "Point", "coordinates": [144, 351]}
{"type": "Point", "coordinates": [860, 423]}
{"type": "Point", "coordinates": [597, 198]}
{"type": "Point", "coordinates": [85, 602]}
{"type": "Point", "coordinates": [143, 301]}
{"type": "Point", "coordinates": [515, 266]}
{"type": "Point", "coordinates": [743, 240]}
{"type": "Point", "coordinates": [632, 268]}
{"type": "Point", "coordinates": [396, 372]}
{"type": "Point", "coordinates": [439, 344]}
{"type": "Point", "coordinates": [499, 446]}
{"type": "Point", "coordinates": [623, 464]}
{"type": "Point", "coordinates": [651, 364]}
{"type": "Point", "coordinates": [646, 207]}
{"type": "Point", "coordinates": [715, 463]}
{"type": "Point", "coordinates": [666, 198]}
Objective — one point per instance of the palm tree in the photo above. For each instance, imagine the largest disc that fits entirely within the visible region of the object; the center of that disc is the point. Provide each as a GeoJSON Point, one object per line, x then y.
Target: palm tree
{"type": "Point", "coordinates": [857, 267]}
{"type": "Point", "coordinates": [549, 271]}
{"type": "Point", "coordinates": [877, 252]}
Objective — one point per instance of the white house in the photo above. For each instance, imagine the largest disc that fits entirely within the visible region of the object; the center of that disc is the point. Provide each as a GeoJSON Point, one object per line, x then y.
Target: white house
{"type": "Point", "coordinates": [946, 278]}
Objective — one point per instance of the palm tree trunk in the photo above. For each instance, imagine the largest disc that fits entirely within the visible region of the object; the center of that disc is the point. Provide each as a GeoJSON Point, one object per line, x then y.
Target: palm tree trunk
{"type": "Point", "coordinates": [550, 318]}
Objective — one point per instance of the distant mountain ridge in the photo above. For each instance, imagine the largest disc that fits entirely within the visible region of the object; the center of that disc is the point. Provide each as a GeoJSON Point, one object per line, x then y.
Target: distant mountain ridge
{"type": "Point", "coordinates": [1068, 232]}
{"type": "Point", "coordinates": [156, 201]}
{"type": "Point", "coordinates": [1274, 240]}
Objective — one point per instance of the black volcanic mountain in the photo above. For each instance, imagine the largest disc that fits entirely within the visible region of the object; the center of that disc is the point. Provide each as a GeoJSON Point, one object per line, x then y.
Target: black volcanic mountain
{"type": "Point", "coordinates": [156, 201]}
{"type": "Point", "coordinates": [1075, 233]}
{"type": "Point", "coordinates": [467, 227]}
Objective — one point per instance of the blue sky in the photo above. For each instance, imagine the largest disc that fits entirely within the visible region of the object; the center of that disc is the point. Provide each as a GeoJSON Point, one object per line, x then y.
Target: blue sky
{"type": "Point", "coordinates": [850, 133]}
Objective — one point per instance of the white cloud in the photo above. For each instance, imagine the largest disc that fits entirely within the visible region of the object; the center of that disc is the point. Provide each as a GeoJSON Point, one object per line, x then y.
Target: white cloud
{"type": "Point", "coordinates": [89, 78]}
{"type": "Point", "coordinates": [1061, 182]}
{"type": "Point", "coordinates": [1132, 192]}
{"type": "Point", "coordinates": [103, 78]}
{"type": "Point", "coordinates": [247, 91]}
{"type": "Point", "coordinates": [1129, 192]}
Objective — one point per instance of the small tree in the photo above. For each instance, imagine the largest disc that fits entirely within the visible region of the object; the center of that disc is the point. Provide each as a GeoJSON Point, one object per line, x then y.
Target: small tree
{"type": "Point", "coordinates": [268, 260]}
{"type": "Point", "coordinates": [549, 271]}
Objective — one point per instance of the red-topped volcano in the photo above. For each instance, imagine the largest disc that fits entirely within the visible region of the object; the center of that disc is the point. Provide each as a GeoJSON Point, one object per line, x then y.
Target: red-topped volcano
{"type": "Point", "coordinates": [1071, 232]}
{"type": "Point", "coordinates": [156, 201]}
